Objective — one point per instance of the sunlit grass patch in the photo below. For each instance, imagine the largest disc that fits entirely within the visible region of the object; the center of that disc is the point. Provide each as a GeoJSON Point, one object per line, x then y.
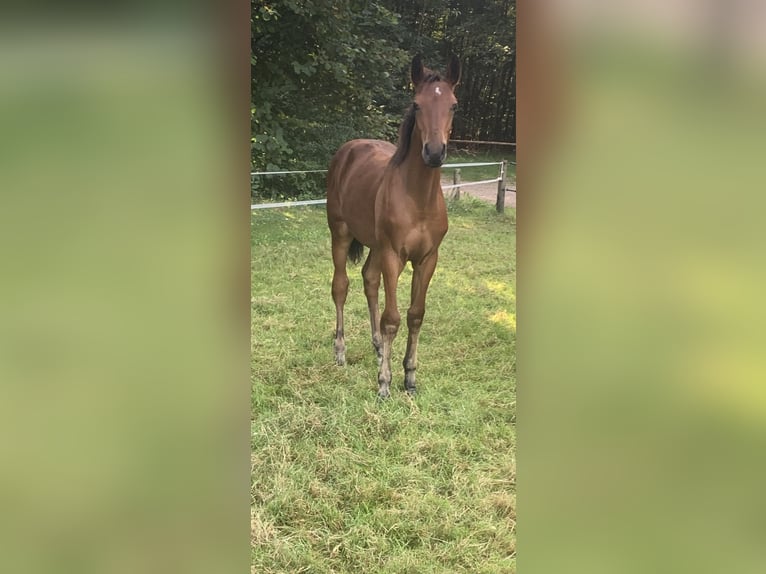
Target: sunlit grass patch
{"type": "Point", "coordinates": [504, 318]}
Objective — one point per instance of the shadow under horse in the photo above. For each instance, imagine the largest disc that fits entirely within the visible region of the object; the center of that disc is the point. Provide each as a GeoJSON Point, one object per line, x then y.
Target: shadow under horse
{"type": "Point", "coordinates": [389, 198]}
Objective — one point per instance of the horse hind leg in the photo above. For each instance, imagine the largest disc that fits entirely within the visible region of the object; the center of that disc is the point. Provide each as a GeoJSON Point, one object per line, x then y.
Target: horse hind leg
{"type": "Point", "coordinates": [340, 246]}
{"type": "Point", "coordinates": [371, 275]}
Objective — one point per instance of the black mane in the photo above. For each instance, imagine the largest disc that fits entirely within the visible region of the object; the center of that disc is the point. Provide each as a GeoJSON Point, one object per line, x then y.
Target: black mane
{"type": "Point", "coordinates": [408, 123]}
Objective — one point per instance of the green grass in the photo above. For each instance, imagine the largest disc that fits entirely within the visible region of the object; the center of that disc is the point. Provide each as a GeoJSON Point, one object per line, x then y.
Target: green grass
{"type": "Point", "coordinates": [345, 483]}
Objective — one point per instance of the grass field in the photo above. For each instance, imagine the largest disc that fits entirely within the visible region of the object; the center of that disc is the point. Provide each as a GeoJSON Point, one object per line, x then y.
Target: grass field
{"type": "Point", "coordinates": [345, 483]}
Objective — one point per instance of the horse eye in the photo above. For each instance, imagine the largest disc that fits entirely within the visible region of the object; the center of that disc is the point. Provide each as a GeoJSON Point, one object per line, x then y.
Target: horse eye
{"type": "Point", "coordinates": [454, 107]}
{"type": "Point", "coordinates": [415, 106]}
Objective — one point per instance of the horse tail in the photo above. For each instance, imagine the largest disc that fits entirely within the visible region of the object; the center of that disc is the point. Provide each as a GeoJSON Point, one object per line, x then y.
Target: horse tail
{"type": "Point", "coordinates": [355, 251]}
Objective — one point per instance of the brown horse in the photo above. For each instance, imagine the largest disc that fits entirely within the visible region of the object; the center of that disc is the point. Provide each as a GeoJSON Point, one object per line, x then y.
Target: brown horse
{"type": "Point", "coordinates": [390, 199]}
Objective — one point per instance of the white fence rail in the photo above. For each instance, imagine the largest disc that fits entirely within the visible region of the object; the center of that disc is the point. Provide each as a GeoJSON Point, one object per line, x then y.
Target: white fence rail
{"type": "Point", "coordinates": [500, 180]}
{"type": "Point", "coordinates": [466, 184]}
{"type": "Point", "coordinates": [288, 204]}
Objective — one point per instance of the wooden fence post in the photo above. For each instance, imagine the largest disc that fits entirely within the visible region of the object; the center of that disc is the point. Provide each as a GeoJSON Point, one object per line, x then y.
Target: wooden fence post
{"type": "Point", "coordinates": [500, 205]}
{"type": "Point", "coordinates": [456, 181]}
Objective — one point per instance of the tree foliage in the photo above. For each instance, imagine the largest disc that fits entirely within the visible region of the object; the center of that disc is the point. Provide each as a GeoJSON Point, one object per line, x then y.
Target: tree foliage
{"type": "Point", "coordinates": [327, 71]}
{"type": "Point", "coordinates": [483, 34]}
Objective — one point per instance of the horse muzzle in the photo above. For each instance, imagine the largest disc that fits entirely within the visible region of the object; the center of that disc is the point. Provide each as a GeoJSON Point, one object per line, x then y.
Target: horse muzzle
{"type": "Point", "coordinates": [433, 156]}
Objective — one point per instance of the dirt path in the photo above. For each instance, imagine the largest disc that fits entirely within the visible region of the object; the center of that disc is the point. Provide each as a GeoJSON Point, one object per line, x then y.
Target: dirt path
{"type": "Point", "coordinates": [486, 192]}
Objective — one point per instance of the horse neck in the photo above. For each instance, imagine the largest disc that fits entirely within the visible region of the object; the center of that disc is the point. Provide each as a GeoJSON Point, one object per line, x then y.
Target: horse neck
{"type": "Point", "coordinates": [423, 183]}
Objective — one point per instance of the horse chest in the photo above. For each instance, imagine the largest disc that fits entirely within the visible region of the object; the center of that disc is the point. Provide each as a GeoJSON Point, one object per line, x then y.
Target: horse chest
{"type": "Point", "coordinates": [414, 239]}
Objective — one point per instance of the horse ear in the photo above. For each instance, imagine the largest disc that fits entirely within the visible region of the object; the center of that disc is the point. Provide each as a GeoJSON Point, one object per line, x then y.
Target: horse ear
{"type": "Point", "coordinates": [416, 70]}
{"type": "Point", "coordinates": [453, 70]}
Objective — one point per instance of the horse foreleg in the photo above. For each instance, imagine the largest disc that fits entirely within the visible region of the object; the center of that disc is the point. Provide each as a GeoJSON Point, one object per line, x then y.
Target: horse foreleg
{"type": "Point", "coordinates": [421, 277]}
{"type": "Point", "coordinates": [391, 266]}
{"type": "Point", "coordinates": [371, 275]}
{"type": "Point", "coordinates": [340, 247]}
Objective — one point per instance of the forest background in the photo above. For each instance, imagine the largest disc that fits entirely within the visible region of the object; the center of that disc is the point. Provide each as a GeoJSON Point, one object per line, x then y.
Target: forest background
{"type": "Point", "coordinates": [326, 71]}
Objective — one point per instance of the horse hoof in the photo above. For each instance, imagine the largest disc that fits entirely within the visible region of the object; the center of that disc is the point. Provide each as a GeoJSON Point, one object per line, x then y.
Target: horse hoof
{"type": "Point", "coordinates": [340, 360]}
{"type": "Point", "coordinates": [412, 391]}
{"type": "Point", "coordinates": [383, 394]}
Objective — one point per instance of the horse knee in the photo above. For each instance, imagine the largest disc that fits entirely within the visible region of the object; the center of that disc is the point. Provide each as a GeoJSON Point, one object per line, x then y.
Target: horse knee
{"type": "Point", "coordinates": [389, 322]}
{"type": "Point", "coordinates": [371, 280]}
{"type": "Point", "coordinates": [340, 279]}
{"type": "Point", "coordinates": [415, 318]}
{"type": "Point", "coordinates": [339, 286]}
{"type": "Point", "coordinates": [371, 286]}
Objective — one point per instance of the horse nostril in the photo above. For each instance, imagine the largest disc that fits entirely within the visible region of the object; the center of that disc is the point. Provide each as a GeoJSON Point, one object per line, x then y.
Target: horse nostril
{"type": "Point", "coordinates": [434, 156]}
